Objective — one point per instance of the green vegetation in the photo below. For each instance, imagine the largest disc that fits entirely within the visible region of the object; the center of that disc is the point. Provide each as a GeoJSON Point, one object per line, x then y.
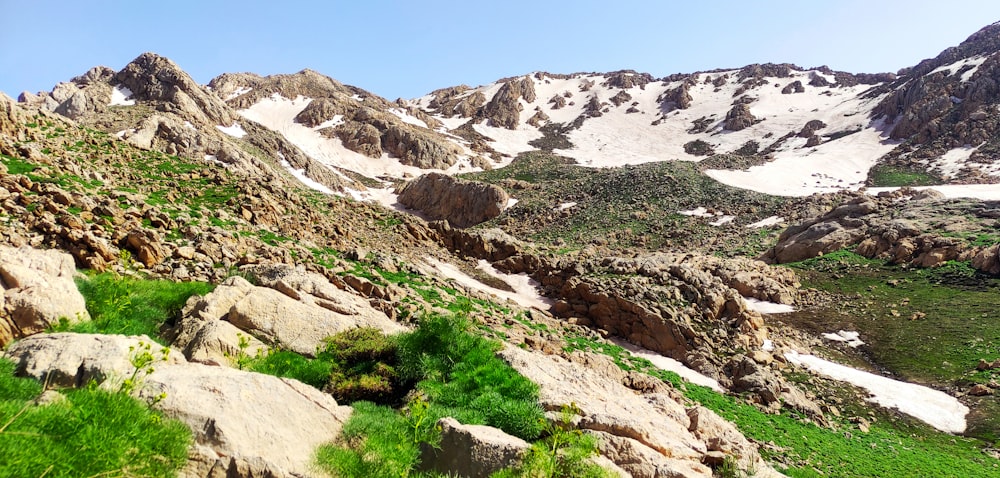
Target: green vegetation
{"type": "Point", "coordinates": [456, 373]}
{"type": "Point", "coordinates": [928, 326]}
{"type": "Point", "coordinates": [123, 305]}
{"type": "Point", "coordinates": [627, 207]}
{"type": "Point", "coordinates": [884, 175]}
{"type": "Point", "coordinates": [565, 452]}
{"type": "Point", "coordinates": [891, 448]}
{"type": "Point", "coordinates": [92, 432]}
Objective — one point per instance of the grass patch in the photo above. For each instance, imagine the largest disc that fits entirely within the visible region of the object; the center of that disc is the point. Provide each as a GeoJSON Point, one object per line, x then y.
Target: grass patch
{"type": "Point", "coordinates": [92, 433]}
{"type": "Point", "coordinates": [884, 175]}
{"type": "Point", "coordinates": [123, 305]}
{"type": "Point", "coordinates": [891, 448]}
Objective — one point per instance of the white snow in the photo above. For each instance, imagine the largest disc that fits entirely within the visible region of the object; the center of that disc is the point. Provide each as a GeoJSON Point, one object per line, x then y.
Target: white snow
{"type": "Point", "coordinates": [337, 120]}
{"type": "Point", "coordinates": [510, 203]}
{"type": "Point", "coordinates": [851, 338]}
{"type": "Point", "coordinates": [722, 220]}
{"type": "Point", "coordinates": [188, 125]}
{"type": "Point", "coordinates": [768, 345]}
{"type": "Point", "coordinates": [300, 174]}
{"type": "Point", "coordinates": [525, 288]}
{"type": "Point", "coordinates": [666, 363]}
{"type": "Point", "coordinates": [766, 222]}
{"type": "Point", "coordinates": [985, 192]}
{"type": "Point", "coordinates": [936, 408]}
{"type": "Point", "coordinates": [509, 142]}
{"type": "Point", "coordinates": [278, 113]}
{"type": "Point", "coordinates": [120, 96]}
{"type": "Point", "coordinates": [407, 117]}
{"type": "Point", "coordinates": [236, 130]}
{"type": "Point", "coordinates": [239, 92]}
{"type": "Point", "coordinates": [952, 68]}
{"type": "Point", "coordinates": [765, 307]}
{"type": "Point", "coordinates": [566, 205]}
{"type": "Point", "coordinates": [697, 212]}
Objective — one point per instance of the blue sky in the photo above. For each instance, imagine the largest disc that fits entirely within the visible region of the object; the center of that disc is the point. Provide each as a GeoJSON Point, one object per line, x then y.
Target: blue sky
{"type": "Point", "coordinates": [408, 48]}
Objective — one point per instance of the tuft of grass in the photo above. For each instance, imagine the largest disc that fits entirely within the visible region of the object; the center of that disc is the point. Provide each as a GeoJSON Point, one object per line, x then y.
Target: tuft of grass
{"type": "Point", "coordinates": [284, 363]}
{"type": "Point", "coordinates": [123, 305]}
{"type": "Point", "coordinates": [372, 444]}
{"type": "Point", "coordinates": [93, 432]}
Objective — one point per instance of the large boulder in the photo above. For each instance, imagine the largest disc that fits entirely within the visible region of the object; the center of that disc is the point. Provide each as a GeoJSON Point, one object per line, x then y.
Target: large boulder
{"type": "Point", "coordinates": [462, 203]}
{"type": "Point", "coordinates": [291, 318]}
{"type": "Point", "coordinates": [38, 292]}
{"type": "Point", "coordinates": [472, 451]}
{"type": "Point", "coordinates": [245, 424]}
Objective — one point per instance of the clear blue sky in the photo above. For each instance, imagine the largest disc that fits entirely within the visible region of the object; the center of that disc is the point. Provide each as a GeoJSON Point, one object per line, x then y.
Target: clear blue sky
{"type": "Point", "coordinates": [408, 48]}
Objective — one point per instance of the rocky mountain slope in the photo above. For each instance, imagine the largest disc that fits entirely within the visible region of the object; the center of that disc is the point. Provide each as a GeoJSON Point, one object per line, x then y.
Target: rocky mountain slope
{"type": "Point", "coordinates": [145, 173]}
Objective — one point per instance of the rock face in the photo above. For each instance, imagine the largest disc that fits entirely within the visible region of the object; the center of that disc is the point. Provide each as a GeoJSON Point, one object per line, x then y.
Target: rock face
{"type": "Point", "coordinates": [462, 203]}
{"type": "Point", "coordinates": [289, 419]}
{"type": "Point", "coordinates": [504, 110]}
{"type": "Point", "coordinates": [154, 78]}
{"type": "Point", "coordinates": [473, 451]}
{"type": "Point", "coordinates": [647, 435]}
{"type": "Point", "coordinates": [38, 292]}
{"type": "Point", "coordinates": [298, 315]}
{"type": "Point", "coordinates": [906, 226]}
{"type": "Point", "coordinates": [739, 117]}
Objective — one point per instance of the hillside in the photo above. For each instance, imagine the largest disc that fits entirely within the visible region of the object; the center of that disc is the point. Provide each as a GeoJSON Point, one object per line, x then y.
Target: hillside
{"type": "Point", "coordinates": [610, 274]}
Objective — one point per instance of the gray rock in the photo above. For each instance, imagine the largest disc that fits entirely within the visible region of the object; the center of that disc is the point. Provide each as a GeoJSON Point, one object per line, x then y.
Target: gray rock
{"type": "Point", "coordinates": [462, 203]}
{"type": "Point", "coordinates": [473, 451]}
{"type": "Point", "coordinates": [38, 291]}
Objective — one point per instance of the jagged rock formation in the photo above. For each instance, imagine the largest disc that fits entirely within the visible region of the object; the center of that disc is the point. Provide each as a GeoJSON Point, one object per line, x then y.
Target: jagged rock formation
{"type": "Point", "coordinates": [461, 203]}
{"type": "Point", "coordinates": [363, 122]}
{"type": "Point", "coordinates": [739, 117]}
{"type": "Point", "coordinates": [156, 79]}
{"type": "Point", "coordinates": [504, 110]}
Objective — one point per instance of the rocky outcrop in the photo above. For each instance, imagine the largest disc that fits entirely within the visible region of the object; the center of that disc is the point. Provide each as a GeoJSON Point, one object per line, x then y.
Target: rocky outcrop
{"type": "Point", "coordinates": [472, 451]}
{"type": "Point", "coordinates": [644, 434]}
{"type": "Point", "coordinates": [739, 117]}
{"type": "Point", "coordinates": [462, 203]}
{"type": "Point", "coordinates": [916, 227]}
{"type": "Point", "coordinates": [504, 109]}
{"type": "Point", "coordinates": [156, 79]}
{"type": "Point", "coordinates": [793, 87]}
{"type": "Point", "coordinates": [289, 419]}
{"type": "Point", "coordinates": [38, 292]}
{"type": "Point", "coordinates": [677, 98]}
{"type": "Point", "coordinates": [290, 318]}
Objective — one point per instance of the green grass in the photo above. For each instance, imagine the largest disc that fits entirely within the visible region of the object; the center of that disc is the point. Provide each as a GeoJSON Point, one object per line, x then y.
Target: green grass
{"type": "Point", "coordinates": [123, 305]}
{"type": "Point", "coordinates": [884, 175]}
{"type": "Point", "coordinates": [283, 363]}
{"type": "Point", "coordinates": [457, 374]}
{"type": "Point", "coordinates": [93, 433]}
{"type": "Point", "coordinates": [929, 326]}
{"type": "Point", "coordinates": [17, 165]}
{"type": "Point", "coordinates": [892, 448]}
{"type": "Point", "coordinates": [627, 207]}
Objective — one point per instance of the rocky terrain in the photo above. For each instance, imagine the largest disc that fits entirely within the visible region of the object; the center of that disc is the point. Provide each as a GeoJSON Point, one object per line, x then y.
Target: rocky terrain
{"type": "Point", "coordinates": [541, 209]}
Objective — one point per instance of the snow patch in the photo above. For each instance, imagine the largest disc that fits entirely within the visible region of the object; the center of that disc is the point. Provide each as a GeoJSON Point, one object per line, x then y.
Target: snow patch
{"type": "Point", "coordinates": [984, 192]}
{"type": "Point", "coordinates": [666, 363]}
{"type": "Point", "coordinates": [566, 205]}
{"type": "Point", "coordinates": [407, 118]}
{"type": "Point", "coordinates": [936, 408]}
{"type": "Point", "coordinates": [121, 96]}
{"type": "Point", "coordinates": [767, 222]}
{"type": "Point", "coordinates": [239, 92]}
{"type": "Point", "coordinates": [765, 307]}
{"type": "Point", "coordinates": [697, 212]}
{"type": "Point", "coordinates": [236, 130]}
{"type": "Point", "coordinates": [851, 338]}
{"type": "Point", "coordinates": [722, 220]}
{"type": "Point", "coordinates": [525, 289]}
{"type": "Point", "coordinates": [337, 120]}
{"type": "Point", "coordinates": [300, 174]}
{"type": "Point", "coordinates": [510, 203]}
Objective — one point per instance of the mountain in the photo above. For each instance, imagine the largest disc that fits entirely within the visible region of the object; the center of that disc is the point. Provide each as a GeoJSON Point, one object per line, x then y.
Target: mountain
{"type": "Point", "coordinates": [588, 222]}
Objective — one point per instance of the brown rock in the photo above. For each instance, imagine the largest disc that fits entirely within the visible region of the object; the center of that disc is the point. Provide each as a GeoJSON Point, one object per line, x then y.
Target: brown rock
{"type": "Point", "coordinates": [462, 203]}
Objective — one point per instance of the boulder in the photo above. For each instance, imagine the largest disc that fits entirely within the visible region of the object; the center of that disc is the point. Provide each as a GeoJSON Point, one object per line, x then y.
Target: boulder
{"type": "Point", "coordinates": [244, 424]}
{"type": "Point", "coordinates": [297, 322]}
{"type": "Point", "coordinates": [38, 291]}
{"type": "Point", "coordinates": [462, 203]}
{"type": "Point", "coordinates": [472, 451]}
